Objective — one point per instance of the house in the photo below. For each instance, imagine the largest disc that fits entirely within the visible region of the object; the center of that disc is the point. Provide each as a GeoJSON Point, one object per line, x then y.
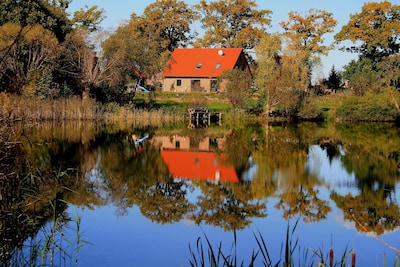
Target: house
{"type": "Point", "coordinates": [198, 69]}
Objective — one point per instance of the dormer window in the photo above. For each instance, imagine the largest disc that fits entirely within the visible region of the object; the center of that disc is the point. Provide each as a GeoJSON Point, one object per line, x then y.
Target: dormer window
{"type": "Point", "coordinates": [198, 66]}
{"type": "Point", "coordinates": [217, 66]}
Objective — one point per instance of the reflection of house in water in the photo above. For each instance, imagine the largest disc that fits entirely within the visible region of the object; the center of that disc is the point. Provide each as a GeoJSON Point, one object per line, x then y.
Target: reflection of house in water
{"type": "Point", "coordinates": [187, 158]}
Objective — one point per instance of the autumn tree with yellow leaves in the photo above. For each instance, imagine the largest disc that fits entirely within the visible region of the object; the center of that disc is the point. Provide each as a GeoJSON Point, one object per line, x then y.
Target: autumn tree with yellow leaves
{"type": "Point", "coordinates": [305, 35]}
{"type": "Point", "coordinates": [232, 23]}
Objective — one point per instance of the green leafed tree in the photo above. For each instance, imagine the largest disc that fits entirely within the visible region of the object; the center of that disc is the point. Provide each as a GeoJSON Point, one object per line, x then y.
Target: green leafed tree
{"type": "Point", "coordinates": [232, 23]}
{"type": "Point", "coordinates": [334, 78]}
{"type": "Point", "coordinates": [88, 18]}
{"type": "Point", "coordinates": [50, 14]}
{"type": "Point", "coordinates": [375, 31]}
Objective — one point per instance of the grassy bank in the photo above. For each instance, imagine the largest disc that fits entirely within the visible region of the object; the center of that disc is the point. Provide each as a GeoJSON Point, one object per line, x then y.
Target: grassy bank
{"type": "Point", "coordinates": [370, 108]}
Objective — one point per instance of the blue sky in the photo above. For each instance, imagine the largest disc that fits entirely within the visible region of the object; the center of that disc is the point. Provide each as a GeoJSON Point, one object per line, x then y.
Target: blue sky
{"type": "Point", "coordinates": [118, 11]}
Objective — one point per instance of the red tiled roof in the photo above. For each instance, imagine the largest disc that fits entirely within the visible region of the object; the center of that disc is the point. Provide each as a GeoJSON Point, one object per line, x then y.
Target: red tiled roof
{"type": "Point", "coordinates": [198, 165]}
{"type": "Point", "coordinates": [201, 62]}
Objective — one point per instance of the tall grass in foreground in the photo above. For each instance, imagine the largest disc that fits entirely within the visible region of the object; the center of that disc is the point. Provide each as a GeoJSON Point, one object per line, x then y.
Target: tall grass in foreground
{"type": "Point", "coordinates": [52, 245]}
{"type": "Point", "coordinates": [35, 229]}
{"type": "Point", "coordinates": [291, 254]}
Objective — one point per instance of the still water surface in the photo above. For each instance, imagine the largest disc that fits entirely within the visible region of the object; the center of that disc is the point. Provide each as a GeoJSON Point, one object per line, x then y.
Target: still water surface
{"type": "Point", "coordinates": [142, 196]}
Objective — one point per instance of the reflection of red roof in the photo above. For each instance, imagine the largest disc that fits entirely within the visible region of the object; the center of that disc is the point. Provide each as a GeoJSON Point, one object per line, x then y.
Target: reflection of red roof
{"type": "Point", "coordinates": [198, 165]}
{"type": "Point", "coordinates": [202, 62]}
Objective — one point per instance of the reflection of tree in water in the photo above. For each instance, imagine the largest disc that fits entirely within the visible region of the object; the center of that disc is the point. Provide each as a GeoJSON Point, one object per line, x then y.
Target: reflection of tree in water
{"type": "Point", "coordinates": [165, 202]}
{"type": "Point", "coordinates": [369, 155]}
{"type": "Point", "coordinates": [304, 202]}
{"type": "Point", "coordinates": [369, 151]}
{"type": "Point", "coordinates": [240, 145]}
{"type": "Point", "coordinates": [126, 176]}
{"type": "Point", "coordinates": [332, 148]}
{"type": "Point", "coordinates": [372, 211]}
{"type": "Point", "coordinates": [284, 161]}
{"type": "Point", "coordinates": [223, 206]}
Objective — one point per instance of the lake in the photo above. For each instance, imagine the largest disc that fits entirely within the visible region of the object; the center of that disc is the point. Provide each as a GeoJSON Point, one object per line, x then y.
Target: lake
{"type": "Point", "coordinates": [84, 194]}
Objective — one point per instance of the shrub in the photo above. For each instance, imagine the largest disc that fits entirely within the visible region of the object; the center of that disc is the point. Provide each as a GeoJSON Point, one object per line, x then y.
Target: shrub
{"type": "Point", "coordinates": [371, 107]}
{"type": "Point", "coordinates": [309, 109]}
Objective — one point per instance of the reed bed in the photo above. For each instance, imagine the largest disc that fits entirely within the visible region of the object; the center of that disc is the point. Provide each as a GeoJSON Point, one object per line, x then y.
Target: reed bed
{"type": "Point", "coordinates": [18, 108]}
{"type": "Point", "coordinates": [31, 110]}
{"type": "Point", "coordinates": [141, 116]}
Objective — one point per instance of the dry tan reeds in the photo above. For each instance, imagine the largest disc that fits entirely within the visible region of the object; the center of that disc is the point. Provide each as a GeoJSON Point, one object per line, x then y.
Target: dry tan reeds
{"type": "Point", "coordinates": [143, 116]}
{"type": "Point", "coordinates": [18, 108]}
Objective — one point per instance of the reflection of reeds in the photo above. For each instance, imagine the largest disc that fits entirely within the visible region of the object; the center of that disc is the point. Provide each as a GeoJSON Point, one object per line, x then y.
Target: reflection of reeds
{"type": "Point", "coordinates": [35, 229]}
{"type": "Point", "coordinates": [52, 246]}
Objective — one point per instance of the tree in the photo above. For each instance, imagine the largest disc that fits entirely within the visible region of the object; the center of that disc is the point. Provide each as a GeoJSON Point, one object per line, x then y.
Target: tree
{"type": "Point", "coordinates": [376, 28]}
{"type": "Point", "coordinates": [169, 22]}
{"type": "Point", "coordinates": [334, 79]}
{"type": "Point", "coordinates": [29, 57]}
{"type": "Point", "coordinates": [88, 18]}
{"type": "Point", "coordinates": [303, 201]}
{"type": "Point", "coordinates": [366, 75]}
{"type": "Point", "coordinates": [237, 87]}
{"type": "Point", "coordinates": [50, 14]}
{"type": "Point", "coordinates": [305, 33]}
{"type": "Point", "coordinates": [133, 53]}
{"type": "Point", "coordinates": [232, 23]}
{"type": "Point", "coordinates": [280, 79]}
{"type": "Point", "coordinates": [267, 53]}
{"type": "Point", "coordinates": [373, 210]}
{"type": "Point", "coordinates": [40, 50]}
{"type": "Point", "coordinates": [88, 68]}
{"type": "Point", "coordinates": [390, 77]}
{"type": "Point", "coordinates": [146, 42]}
{"type": "Point", "coordinates": [377, 31]}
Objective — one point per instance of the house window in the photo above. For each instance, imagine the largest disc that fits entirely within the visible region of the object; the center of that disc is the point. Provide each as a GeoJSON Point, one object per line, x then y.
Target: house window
{"type": "Point", "coordinates": [196, 86]}
{"type": "Point", "coordinates": [177, 144]}
{"type": "Point", "coordinates": [198, 66]}
{"type": "Point", "coordinates": [213, 86]}
{"type": "Point", "coordinates": [178, 82]}
{"type": "Point", "coordinates": [217, 66]}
